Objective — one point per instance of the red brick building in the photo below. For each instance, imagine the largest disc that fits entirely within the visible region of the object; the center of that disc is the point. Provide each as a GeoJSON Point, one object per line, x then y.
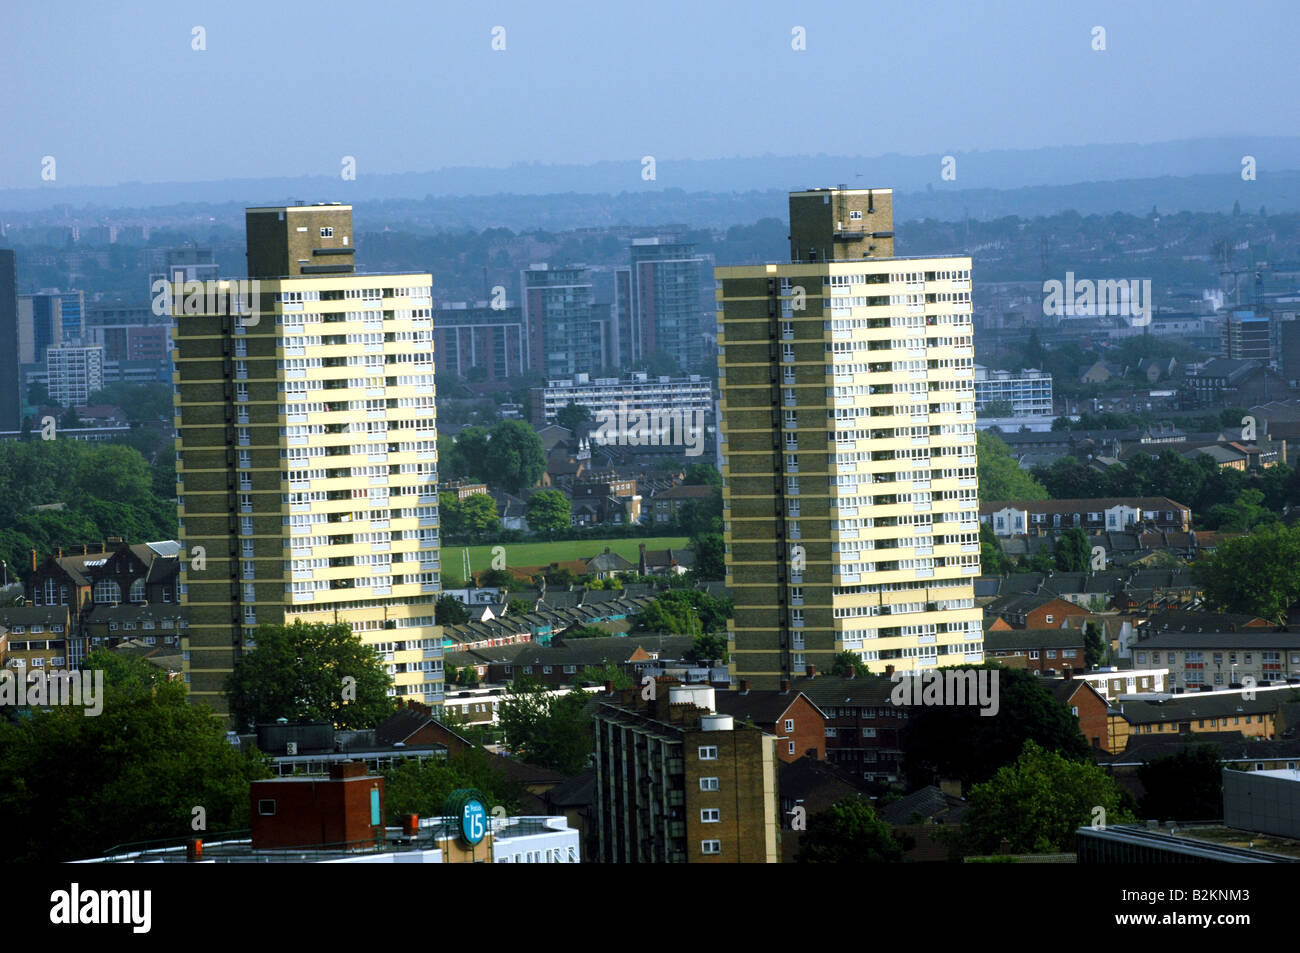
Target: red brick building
{"type": "Point", "coordinates": [1086, 704]}
{"type": "Point", "coordinates": [863, 726]}
{"type": "Point", "coordinates": [348, 808]}
{"type": "Point", "coordinates": [798, 724]}
{"type": "Point", "coordinates": [1043, 648]}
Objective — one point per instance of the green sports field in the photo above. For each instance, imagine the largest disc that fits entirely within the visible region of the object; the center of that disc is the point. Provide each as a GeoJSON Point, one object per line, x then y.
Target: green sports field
{"type": "Point", "coordinates": [543, 554]}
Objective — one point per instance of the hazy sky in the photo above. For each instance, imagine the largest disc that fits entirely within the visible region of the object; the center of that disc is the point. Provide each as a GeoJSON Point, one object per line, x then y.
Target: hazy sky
{"type": "Point", "coordinates": [116, 93]}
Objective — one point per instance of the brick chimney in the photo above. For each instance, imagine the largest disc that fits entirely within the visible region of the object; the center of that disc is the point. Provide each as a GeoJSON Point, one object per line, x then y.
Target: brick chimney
{"type": "Point", "coordinates": [889, 671]}
{"type": "Point", "coordinates": [744, 686]}
{"type": "Point", "coordinates": [33, 560]}
{"type": "Point", "coordinates": [811, 671]}
{"type": "Point", "coordinates": [1067, 673]}
{"type": "Point", "coordinates": [785, 686]}
{"type": "Point", "coordinates": [853, 671]}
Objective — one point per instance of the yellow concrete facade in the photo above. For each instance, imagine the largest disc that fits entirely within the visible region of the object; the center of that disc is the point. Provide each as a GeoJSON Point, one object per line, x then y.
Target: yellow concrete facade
{"type": "Point", "coordinates": [307, 471]}
{"type": "Point", "coordinates": [849, 473]}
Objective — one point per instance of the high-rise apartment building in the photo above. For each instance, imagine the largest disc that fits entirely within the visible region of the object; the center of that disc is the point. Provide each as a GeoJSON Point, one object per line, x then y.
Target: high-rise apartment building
{"type": "Point", "coordinates": [657, 302]}
{"type": "Point", "coordinates": [848, 428]}
{"type": "Point", "coordinates": [73, 372]}
{"type": "Point", "coordinates": [11, 389]}
{"type": "Point", "coordinates": [40, 325]}
{"type": "Point", "coordinates": [564, 336]}
{"type": "Point", "coordinates": [473, 335]}
{"type": "Point", "coordinates": [307, 453]}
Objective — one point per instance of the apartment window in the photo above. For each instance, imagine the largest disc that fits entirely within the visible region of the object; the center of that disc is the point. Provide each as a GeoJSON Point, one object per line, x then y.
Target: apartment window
{"type": "Point", "coordinates": [710, 815]}
{"type": "Point", "coordinates": [708, 784]}
{"type": "Point", "coordinates": [1049, 618]}
{"type": "Point", "coordinates": [789, 724]}
{"type": "Point", "coordinates": [710, 847]}
{"type": "Point", "coordinates": [1033, 653]}
{"type": "Point", "coordinates": [790, 747]}
{"type": "Point", "coordinates": [709, 753]}
{"type": "Point", "coordinates": [327, 231]}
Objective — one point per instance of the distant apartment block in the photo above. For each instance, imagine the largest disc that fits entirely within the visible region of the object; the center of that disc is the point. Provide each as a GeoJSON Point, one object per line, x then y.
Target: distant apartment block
{"type": "Point", "coordinates": [129, 333]}
{"type": "Point", "coordinates": [187, 263]}
{"type": "Point", "coordinates": [1092, 516]}
{"type": "Point", "coordinates": [658, 298]}
{"type": "Point", "coordinates": [565, 335]}
{"type": "Point", "coordinates": [40, 326]}
{"type": "Point", "coordinates": [11, 388]}
{"type": "Point", "coordinates": [1029, 392]}
{"type": "Point", "coordinates": [633, 394]}
{"type": "Point", "coordinates": [74, 372]}
{"type": "Point", "coordinates": [471, 335]}
{"type": "Point", "coordinates": [1247, 336]}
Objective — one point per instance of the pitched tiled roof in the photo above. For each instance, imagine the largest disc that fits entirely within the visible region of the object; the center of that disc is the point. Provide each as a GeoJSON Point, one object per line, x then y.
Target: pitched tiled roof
{"type": "Point", "coordinates": [760, 707]}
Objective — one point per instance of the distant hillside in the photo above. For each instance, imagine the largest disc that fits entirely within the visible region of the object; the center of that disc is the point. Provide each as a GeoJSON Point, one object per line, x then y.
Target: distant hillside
{"type": "Point", "coordinates": [1194, 175]}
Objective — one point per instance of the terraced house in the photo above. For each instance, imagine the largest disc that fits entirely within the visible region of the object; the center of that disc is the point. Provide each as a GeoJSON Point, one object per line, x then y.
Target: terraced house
{"type": "Point", "coordinates": [848, 455]}
{"type": "Point", "coordinates": [307, 453]}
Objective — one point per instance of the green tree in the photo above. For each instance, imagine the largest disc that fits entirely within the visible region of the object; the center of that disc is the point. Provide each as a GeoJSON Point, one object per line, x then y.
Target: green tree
{"type": "Point", "coordinates": [600, 674]}
{"type": "Point", "coordinates": [421, 787]}
{"type": "Point", "coordinates": [548, 730]}
{"type": "Point", "coordinates": [698, 517]}
{"type": "Point", "coordinates": [478, 513]}
{"type": "Point", "coordinates": [548, 511]}
{"type": "Point", "coordinates": [702, 474]}
{"type": "Point", "coordinates": [844, 662]}
{"type": "Point", "coordinates": [1094, 645]}
{"type": "Point", "coordinates": [708, 647]}
{"type": "Point", "coordinates": [992, 560]}
{"type": "Point", "coordinates": [519, 607]}
{"type": "Point", "coordinates": [1073, 551]}
{"type": "Point", "coordinates": [584, 632]}
{"type": "Point", "coordinates": [514, 456]}
{"type": "Point", "coordinates": [1000, 477]}
{"type": "Point", "coordinates": [1037, 802]}
{"type": "Point", "coordinates": [310, 672]}
{"type": "Point", "coordinates": [449, 610]}
{"type": "Point", "coordinates": [76, 786]}
{"type": "Point", "coordinates": [1243, 514]}
{"type": "Point", "coordinates": [956, 741]}
{"type": "Point", "coordinates": [848, 832]}
{"type": "Point", "coordinates": [1257, 574]}
{"type": "Point", "coordinates": [710, 556]}
{"type": "Point", "coordinates": [660, 616]}
{"type": "Point", "coordinates": [1187, 786]}
{"type": "Point", "coordinates": [496, 578]}
{"type": "Point", "coordinates": [998, 408]}
{"type": "Point", "coordinates": [450, 514]}
{"type": "Point", "coordinates": [571, 415]}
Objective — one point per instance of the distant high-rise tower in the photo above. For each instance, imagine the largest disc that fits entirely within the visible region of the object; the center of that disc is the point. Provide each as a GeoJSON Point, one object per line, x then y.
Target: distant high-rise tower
{"type": "Point", "coordinates": [40, 325]}
{"type": "Point", "coordinates": [848, 420]}
{"type": "Point", "coordinates": [11, 391]}
{"type": "Point", "coordinates": [307, 454]}
{"type": "Point", "coordinates": [657, 302]}
{"type": "Point", "coordinates": [564, 336]}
